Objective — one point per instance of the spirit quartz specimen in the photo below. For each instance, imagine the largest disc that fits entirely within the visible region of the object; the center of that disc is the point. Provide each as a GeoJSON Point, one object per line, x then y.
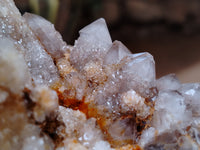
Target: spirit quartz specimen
{"type": "Point", "coordinates": [94, 95]}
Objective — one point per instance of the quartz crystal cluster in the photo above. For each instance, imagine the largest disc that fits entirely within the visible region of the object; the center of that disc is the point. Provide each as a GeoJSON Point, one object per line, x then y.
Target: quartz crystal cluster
{"type": "Point", "coordinates": [95, 95]}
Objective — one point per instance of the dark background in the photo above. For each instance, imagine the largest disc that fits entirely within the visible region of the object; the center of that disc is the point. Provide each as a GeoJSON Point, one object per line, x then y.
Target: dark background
{"type": "Point", "coordinates": [168, 29]}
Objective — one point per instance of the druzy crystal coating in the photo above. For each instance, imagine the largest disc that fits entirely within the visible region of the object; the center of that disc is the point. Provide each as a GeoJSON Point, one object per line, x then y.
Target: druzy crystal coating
{"type": "Point", "coordinates": [93, 95]}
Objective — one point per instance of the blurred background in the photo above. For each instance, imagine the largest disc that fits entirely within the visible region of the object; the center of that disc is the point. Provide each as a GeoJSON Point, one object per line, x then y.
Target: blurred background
{"type": "Point", "coordinates": [168, 29]}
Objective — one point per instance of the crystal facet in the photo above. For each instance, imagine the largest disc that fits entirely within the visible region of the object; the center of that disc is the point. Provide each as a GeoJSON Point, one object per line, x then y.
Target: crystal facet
{"type": "Point", "coordinates": [116, 53]}
{"type": "Point", "coordinates": [91, 96]}
{"type": "Point", "coordinates": [47, 35]}
{"type": "Point", "coordinates": [92, 45]}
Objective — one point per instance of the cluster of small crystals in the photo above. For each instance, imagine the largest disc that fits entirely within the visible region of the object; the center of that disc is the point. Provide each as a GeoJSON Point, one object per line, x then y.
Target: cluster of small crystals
{"type": "Point", "coordinates": [91, 96]}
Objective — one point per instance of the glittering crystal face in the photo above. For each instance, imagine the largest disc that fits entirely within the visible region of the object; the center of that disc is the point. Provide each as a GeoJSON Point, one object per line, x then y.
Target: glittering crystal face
{"type": "Point", "coordinates": [91, 96]}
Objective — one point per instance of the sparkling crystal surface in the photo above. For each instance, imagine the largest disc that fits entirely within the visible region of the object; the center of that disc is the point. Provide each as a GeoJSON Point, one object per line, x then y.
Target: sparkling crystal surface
{"type": "Point", "coordinates": [116, 53]}
{"type": "Point", "coordinates": [91, 96]}
{"type": "Point", "coordinates": [14, 27]}
{"type": "Point", "coordinates": [92, 45]}
{"type": "Point", "coordinates": [47, 35]}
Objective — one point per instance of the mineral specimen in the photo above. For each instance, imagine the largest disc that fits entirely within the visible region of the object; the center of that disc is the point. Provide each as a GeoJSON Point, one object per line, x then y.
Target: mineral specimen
{"type": "Point", "coordinates": [94, 95]}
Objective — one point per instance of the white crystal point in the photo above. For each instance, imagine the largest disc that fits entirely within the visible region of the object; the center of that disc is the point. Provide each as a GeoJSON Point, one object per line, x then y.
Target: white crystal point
{"type": "Point", "coordinates": [92, 45]}
{"type": "Point", "coordinates": [46, 33]}
{"type": "Point", "coordinates": [139, 69]}
{"type": "Point", "coordinates": [97, 32]}
{"type": "Point", "coordinates": [116, 53]}
{"type": "Point", "coordinates": [168, 82]}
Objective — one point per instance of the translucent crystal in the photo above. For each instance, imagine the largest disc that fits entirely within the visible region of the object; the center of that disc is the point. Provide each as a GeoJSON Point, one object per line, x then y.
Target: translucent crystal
{"type": "Point", "coordinates": [123, 129]}
{"type": "Point", "coordinates": [47, 35]}
{"type": "Point", "coordinates": [191, 92]}
{"type": "Point", "coordinates": [186, 143]}
{"type": "Point", "coordinates": [96, 34]}
{"type": "Point", "coordinates": [116, 53]}
{"type": "Point", "coordinates": [138, 73]}
{"type": "Point", "coordinates": [170, 112]}
{"type": "Point", "coordinates": [89, 134]}
{"type": "Point", "coordinates": [147, 136]}
{"type": "Point", "coordinates": [168, 82]}
{"type": "Point", "coordinates": [33, 143]}
{"type": "Point", "coordinates": [140, 67]}
{"type": "Point", "coordinates": [92, 45]}
{"type": "Point", "coordinates": [90, 96]}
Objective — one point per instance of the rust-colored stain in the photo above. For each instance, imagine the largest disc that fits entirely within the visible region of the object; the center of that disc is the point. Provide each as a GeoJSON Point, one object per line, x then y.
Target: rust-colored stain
{"type": "Point", "coordinates": [91, 110]}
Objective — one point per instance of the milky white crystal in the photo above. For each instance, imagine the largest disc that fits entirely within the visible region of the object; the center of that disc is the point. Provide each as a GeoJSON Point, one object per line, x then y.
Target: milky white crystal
{"type": "Point", "coordinates": [141, 67]}
{"type": "Point", "coordinates": [147, 136]}
{"type": "Point", "coordinates": [33, 141]}
{"type": "Point", "coordinates": [12, 63]}
{"type": "Point", "coordinates": [89, 134]}
{"type": "Point", "coordinates": [3, 96]}
{"type": "Point", "coordinates": [92, 45]}
{"type": "Point", "coordinates": [116, 53]}
{"type": "Point", "coordinates": [170, 112]}
{"type": "Point", "coordinates": [168, 82]}
{"type": "Point", "coordinates": [102, 145]}
{"type": "Point", "coordinates": [96, 34]}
